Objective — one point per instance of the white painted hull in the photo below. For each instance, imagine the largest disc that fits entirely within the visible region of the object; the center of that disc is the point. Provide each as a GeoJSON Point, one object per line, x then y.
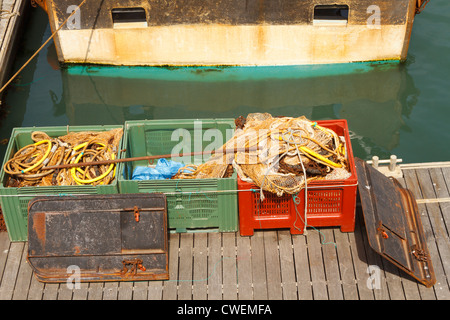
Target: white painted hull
{"type": "Point", "coordinates": [237, 45]}
{"type": "Point", "coordinates": [189, 39]}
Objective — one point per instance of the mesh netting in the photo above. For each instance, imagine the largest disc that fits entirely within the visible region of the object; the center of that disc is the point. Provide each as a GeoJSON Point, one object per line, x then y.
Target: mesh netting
{"type": "Point", "coordinates": [278, 154]}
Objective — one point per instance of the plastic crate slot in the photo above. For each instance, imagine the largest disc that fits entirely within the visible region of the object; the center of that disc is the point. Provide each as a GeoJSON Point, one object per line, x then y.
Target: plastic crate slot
{"type": "Point", "coordinates": [173, 186]}
{"type": "Point", "coordinates": [160, 141]}
{"type": "Point", "coordinates": [272, 204]}
{"type": "Point", "coordinates": [202, 214]}
{"type": "Point", "coordinates": [324, 202]}
{"type": "Point", "coordinates": [61, 190]}
{"type": "Point", "coordinates": [191, 202]}
{"type": "Point", "coordinates": [23, 202]}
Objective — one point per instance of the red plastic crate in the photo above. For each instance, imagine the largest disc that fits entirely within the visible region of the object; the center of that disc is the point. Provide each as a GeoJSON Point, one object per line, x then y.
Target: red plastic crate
{"type": "Point", "coordinates": [331, 203]}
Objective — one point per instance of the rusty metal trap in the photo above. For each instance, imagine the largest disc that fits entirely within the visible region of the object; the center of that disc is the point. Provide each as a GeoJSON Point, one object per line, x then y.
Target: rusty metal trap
{"type": "Point", "coordinates": [105, 238]}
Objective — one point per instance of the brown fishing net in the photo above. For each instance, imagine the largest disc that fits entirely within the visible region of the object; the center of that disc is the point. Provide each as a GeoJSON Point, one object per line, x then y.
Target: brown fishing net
{"type": "Point", "coordinates": [277, 154]}
{"type": "Point", "coordinates": [28, 165]}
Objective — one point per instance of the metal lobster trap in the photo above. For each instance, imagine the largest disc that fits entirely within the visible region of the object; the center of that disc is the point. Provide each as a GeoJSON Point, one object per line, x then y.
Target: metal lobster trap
{"type": "Point", "coordinates": [120, 237]}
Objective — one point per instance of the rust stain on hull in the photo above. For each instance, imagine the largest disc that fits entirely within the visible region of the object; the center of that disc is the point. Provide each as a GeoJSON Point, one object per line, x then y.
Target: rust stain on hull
{"type": "Point", "coordinates": [240, 45]}
{"type": "Point", "coordinates": [232, 32]}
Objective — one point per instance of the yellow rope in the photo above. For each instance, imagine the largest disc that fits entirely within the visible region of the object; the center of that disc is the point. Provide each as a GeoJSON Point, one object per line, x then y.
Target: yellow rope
{"type": "Point", "coordinates": [27, 166]}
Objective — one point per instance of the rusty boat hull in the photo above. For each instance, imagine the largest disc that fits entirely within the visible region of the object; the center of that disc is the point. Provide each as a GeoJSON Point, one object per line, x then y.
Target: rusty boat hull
{"type": "Point", "coordinates": [230, 32]}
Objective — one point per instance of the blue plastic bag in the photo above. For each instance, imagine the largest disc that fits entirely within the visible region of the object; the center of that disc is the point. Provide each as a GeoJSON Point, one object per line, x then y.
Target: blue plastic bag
{"type": "Point", "coordinates": [164, 169]}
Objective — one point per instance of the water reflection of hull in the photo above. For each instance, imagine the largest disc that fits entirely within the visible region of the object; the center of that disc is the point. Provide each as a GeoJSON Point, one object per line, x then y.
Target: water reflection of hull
{"type": "Point", "coordinates": [371, 97]}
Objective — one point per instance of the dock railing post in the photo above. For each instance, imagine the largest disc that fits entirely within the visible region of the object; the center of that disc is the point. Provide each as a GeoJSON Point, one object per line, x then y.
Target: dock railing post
{"type": "Point", "coordinates": [375, 161]}
{"type": "Point", "coordinates": [392, 169]}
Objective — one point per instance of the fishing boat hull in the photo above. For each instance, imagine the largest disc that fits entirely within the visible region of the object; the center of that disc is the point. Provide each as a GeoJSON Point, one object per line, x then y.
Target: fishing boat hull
{"type": "Point", "coordinates": [230, 32]}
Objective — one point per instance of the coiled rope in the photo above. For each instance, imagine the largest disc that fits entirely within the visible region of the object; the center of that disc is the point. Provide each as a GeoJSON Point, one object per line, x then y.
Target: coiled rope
{"type": "Point", "coordinates": [28, 165]}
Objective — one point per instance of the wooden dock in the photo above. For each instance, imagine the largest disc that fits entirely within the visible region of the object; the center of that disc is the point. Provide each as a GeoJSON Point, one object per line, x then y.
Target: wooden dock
{"type": "Point", "coordinates": [271, 265]}
{"type": "Point", "coordinates": [12, 14]}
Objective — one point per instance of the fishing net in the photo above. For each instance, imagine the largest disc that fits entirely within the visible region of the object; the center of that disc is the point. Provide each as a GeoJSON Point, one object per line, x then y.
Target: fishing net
{"type": "Point", "coordinates": [28, 165]}
{"type": "Point", "coordinates": [279, 155]}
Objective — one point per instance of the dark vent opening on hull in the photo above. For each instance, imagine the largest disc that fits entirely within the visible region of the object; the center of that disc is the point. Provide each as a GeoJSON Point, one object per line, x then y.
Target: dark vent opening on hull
{"type": "Point", "coordinates": [127, 15]}
{"type": "Point", "coordinates": [331, 12]}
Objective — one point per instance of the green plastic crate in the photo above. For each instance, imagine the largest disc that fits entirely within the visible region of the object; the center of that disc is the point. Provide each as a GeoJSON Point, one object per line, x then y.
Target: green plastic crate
{"type": "Point", "coordinates": [193, 205]}
{"type": "Point", "coordinates": [14, 201]}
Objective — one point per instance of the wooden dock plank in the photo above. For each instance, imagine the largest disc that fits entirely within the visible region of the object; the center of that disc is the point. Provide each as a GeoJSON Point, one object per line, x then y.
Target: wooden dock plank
{"type": "Point", "coordinates": [318, 280]}
{"type": "Point", "coordinates": [4, 249]}
{"type": "Point", "coordinates": [272, 257]}
{"type": "Point", "coordinates": [154, 291]}
{"type": "Point", "coordinates": [185, 266]}
{"type": "Point", "coordinates": [169, 291]}
{"type": "Point", "coordinates": [36, 290]}
{"type": "Point", "coordinates": [427, 187]}
{"type": "Point", "coordinates": [361, 265]}
{"type": "Point", "coordinates": [81, 293]}
{"type": "Point", "coordinates": [244, 268]}
{"type": "Point", "coordinates": [95, 291]}
{"type": "Point", "coordinates": [441, 192]}
{"type": "Point", "coordinates": [64, 292]}
{"type": "Point", "coordinates": [125, 290]}
{"type": "Point", "coordinates": [331, 265]}
{"type": "Point", "coordinates": [440, 234]}
{"type": "Point", "coordinates": [446, 175]}
{"type": "Point", "coordinates": [11, 270]}
{"type": "Point", "coordinates": [50, 291]}
{"type": "Point", "coordinates": [346, 267]}
{"type": "Point", "coordinates": [302, 270]}
{"type": "Point", "coordinates": [23, 277]}
{"type": "Point", "coordinates": [215, 266]}
{"type": "Point", "coordinates": [230, 289]}
{"type": "Point", "coordinates": [200, 276]}
{"type": "Point", "coordinates": [140, 290]}
{"type": "Point", "coordinates": [110, 290]}
{"type": "Point", "coordinates": [287, 266]}
{"type": "Point", "coordinates": [441, 180]}
{"type": "Point", "coordinates": [258, 266]}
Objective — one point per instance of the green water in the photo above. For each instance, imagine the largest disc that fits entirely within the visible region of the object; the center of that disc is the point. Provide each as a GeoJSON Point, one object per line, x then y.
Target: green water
{"type": "Point", "coordinates": [391, 108]}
